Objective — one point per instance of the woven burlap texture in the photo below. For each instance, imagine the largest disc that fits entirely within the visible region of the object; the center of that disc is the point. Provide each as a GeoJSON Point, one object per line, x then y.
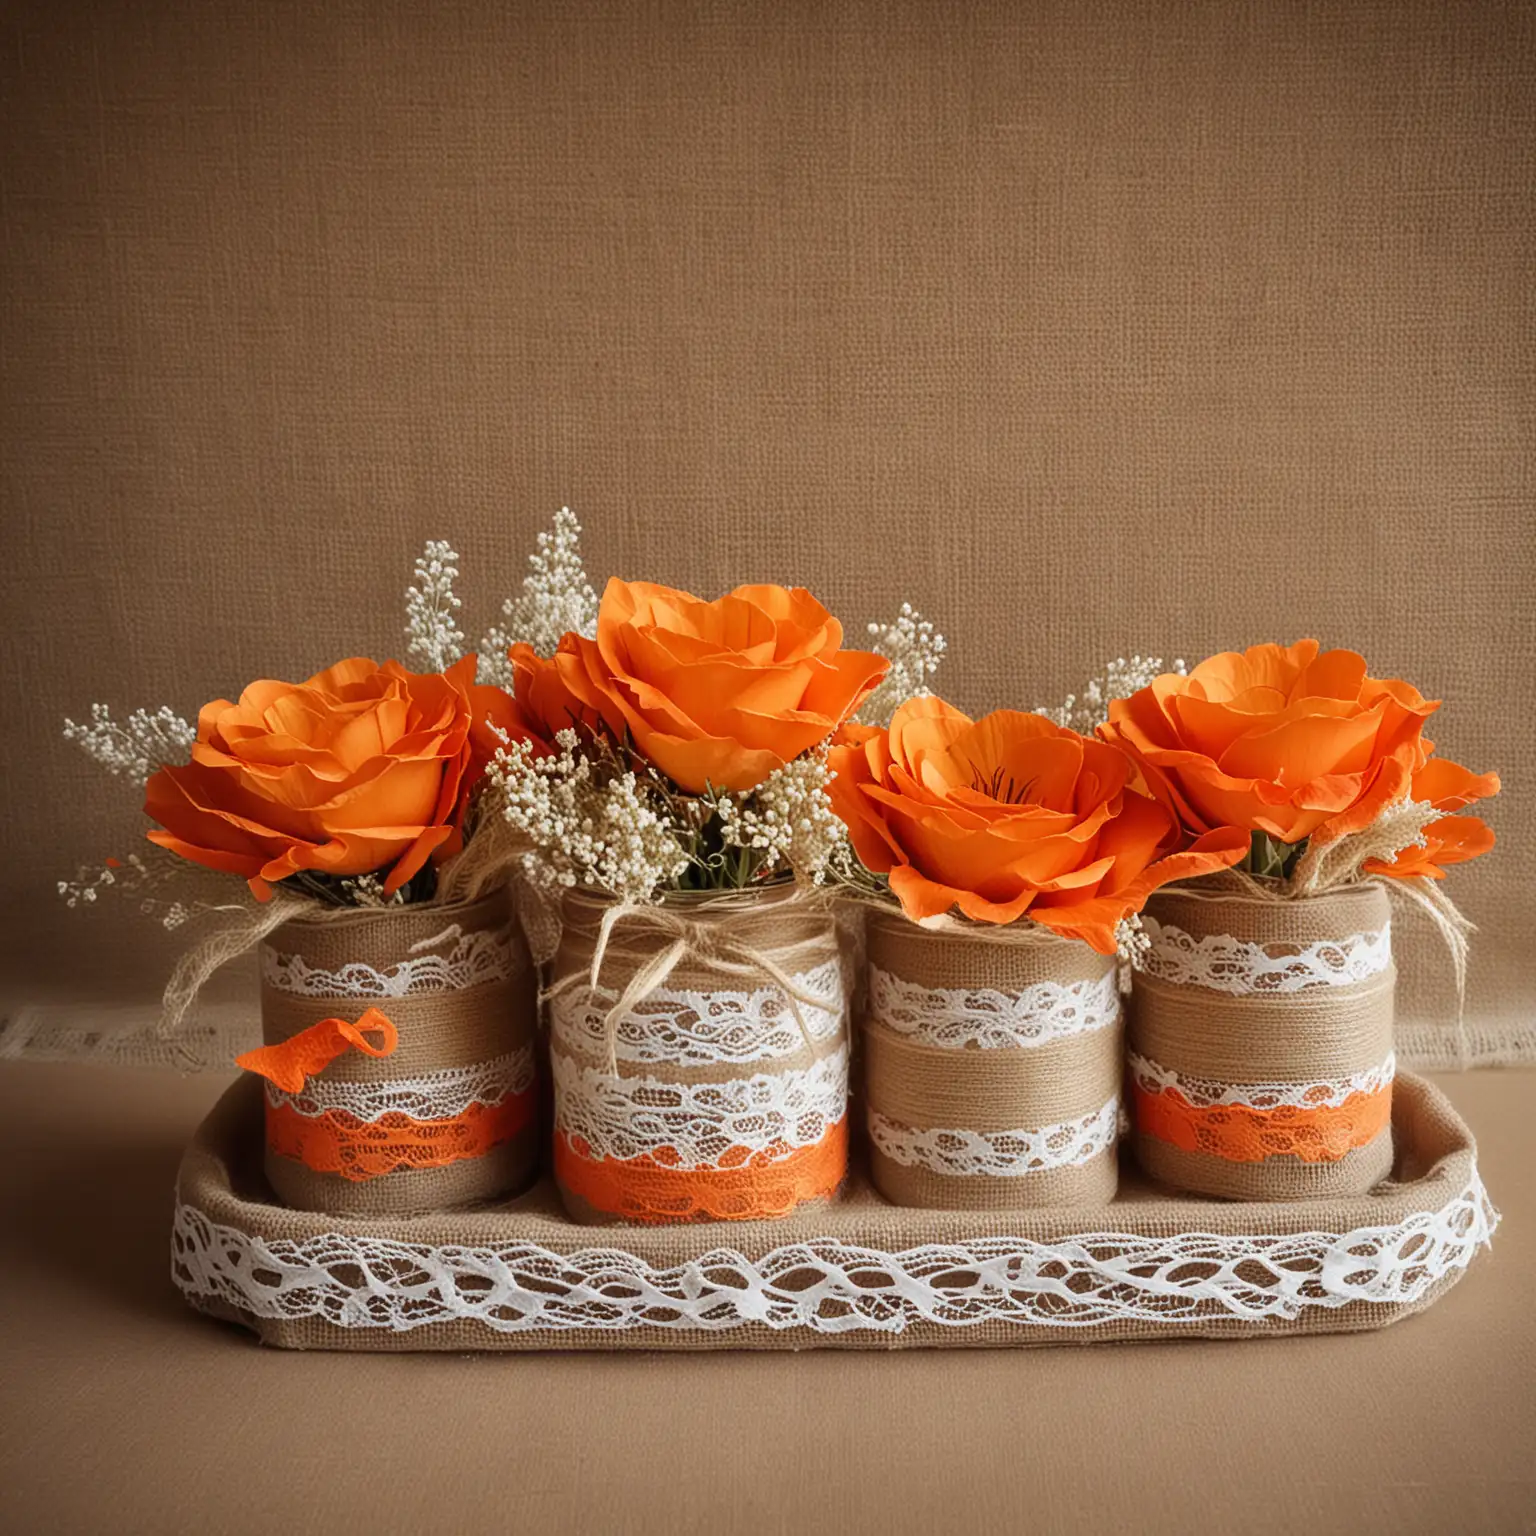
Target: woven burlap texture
{"type": "Point", "coordinates": [1310, 1036]}
{"type": "Point", "coordinates": [437, 1030]}
{"type": "Point", "coordinates": [1436, 1160]}
{"type": "Point", "coordinates": [1007, 1088]}
{"type": "Point", "coordinates": [1088, 328]}
{"type": "Point", "coordinates": [726, 940]}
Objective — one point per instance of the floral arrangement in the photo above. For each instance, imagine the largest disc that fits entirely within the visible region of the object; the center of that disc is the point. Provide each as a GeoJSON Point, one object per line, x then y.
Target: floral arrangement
{"type": "Point", "coordinates": [682, 746]}
{"type": "Point", "coordinates": [647, 743]}
{"type": "Point", "coordinates": [1323, 767]}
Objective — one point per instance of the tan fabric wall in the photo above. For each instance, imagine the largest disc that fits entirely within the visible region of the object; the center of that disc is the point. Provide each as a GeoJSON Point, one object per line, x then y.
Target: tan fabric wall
{"type": "Point", "coordinates": [1089, 328]}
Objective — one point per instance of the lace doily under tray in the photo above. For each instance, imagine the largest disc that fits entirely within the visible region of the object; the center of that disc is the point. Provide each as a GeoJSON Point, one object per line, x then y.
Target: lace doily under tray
{"type": "Point", "coordinates": [855, 1273]}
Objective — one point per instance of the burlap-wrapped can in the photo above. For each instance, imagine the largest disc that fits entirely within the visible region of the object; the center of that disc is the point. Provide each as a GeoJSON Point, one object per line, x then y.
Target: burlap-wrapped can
{"type": "Point", "coordinates": [1261, 1060]}
{"type": "Point", "coordinates": [449, 1116]}
{"type": "Point", "coordinates": [699, 1051]}
{"type": "Point", "coordinates": [993, 1062]}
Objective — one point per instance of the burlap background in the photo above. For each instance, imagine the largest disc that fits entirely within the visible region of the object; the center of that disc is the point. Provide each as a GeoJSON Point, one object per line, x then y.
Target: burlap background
{"type": "Point", "coordinates": [1088, 327]}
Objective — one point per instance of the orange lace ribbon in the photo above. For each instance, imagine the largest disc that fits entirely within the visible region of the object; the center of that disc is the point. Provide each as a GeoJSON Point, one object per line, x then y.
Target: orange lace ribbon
{"type": "Point", "coordinates": [1238, 1134]}
{"type": "Point", "coordinates": [754, 1186]}
{"type": "Point", "coordinates": [339, 1142]}
{"type": "Point", "coordinates": [312, 1050]}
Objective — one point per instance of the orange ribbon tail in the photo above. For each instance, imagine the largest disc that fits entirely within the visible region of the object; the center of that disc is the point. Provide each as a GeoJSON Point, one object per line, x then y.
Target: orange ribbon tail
{"type": "Point", "coordinates": [286, 1066]}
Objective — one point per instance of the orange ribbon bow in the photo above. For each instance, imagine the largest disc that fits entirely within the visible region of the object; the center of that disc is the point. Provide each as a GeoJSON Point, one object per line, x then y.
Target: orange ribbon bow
{"type": "Point", "coordinates": [301, 1056]}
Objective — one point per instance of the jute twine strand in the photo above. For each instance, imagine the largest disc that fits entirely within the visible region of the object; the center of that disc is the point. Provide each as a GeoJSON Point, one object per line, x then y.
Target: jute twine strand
{"type": "Point", "coordinates": [657, 938]}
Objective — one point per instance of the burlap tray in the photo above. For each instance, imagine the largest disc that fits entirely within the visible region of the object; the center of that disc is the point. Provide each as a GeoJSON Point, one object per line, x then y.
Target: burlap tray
{"type": "Point", "coordinates": [854, 1274]}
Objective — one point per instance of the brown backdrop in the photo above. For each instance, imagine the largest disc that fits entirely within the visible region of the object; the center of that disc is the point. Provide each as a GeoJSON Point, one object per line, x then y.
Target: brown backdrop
{"type": "Point", "coordinates": [1088, 328]}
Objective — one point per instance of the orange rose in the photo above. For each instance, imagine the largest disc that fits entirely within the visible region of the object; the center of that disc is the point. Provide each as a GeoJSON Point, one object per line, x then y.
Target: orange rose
{"type": "Point", "coordinates": [1452, 839]}
{"type": "Point", "coordinates": [1010, 815]}
{"type": "Point", "coordinates": [1280, 740]}
{"type": "Point", "coordinates": [712, 694]}
{"type": "Point", "coordinates": [360, 767]}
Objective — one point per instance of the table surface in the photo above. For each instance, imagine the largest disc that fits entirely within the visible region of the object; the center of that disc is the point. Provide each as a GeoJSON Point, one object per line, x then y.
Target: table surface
{"type": "Point", "coordinates": [120, 1409]}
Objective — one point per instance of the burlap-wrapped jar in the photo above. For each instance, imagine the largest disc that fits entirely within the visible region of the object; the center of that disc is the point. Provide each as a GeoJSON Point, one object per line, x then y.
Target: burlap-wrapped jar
{"type": "Point", "coordinates": [993, 1065]}
{"type": "Point", "coordinates": [449, 1116]}
{"type": "Point", "coordinates": [705, 1077]}
{"type": "Point", "coordinates": [1261, 1060]}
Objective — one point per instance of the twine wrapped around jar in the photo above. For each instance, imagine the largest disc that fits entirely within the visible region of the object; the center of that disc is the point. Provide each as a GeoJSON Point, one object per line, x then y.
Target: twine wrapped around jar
{"type": "Point", "coordinates": [699, 1051]}
{"type": "Point", "coordinates": [443, 1113]}
{"type": "Point", "coordinates": [1261, 1059]}
{"type": "Point", "coordinates": [993, 1066]}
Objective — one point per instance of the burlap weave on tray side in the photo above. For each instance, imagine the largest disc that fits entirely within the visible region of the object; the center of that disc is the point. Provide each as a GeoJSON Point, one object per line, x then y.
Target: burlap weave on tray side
{"type": "Point", "coordinates": [1223, 1033]}
{"type": "Point", "coordinates": [653, 1124]}
{"type": "Point", "coordinates": [946, 1112]}
{"type": "Point", "coordinates": [457, 983]}
{"type": "Point", "coordinates": [223, 1204]}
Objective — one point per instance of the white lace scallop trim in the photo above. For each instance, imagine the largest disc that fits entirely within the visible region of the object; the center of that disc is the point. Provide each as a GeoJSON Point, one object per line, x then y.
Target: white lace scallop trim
{"type": "Point", "coordinates": [1226, 964]}
{"type": "Point", "coordinates": [438, 1096]}
{"type": "Point", "coordinates": [1205, 1093]}
{"type": "Point", "coordinates": [625, 1117]}
{"type": "Point", "coordinates": [998, 1154]}
{"type": "Point", "coordinates": [826, 1286]}
{"type": "Point", "coordinates": [956, 1017]}
{"type": "Point", "coordinates": [476, 958]}
{"type": "Point", "coordinates": [696, 1029]}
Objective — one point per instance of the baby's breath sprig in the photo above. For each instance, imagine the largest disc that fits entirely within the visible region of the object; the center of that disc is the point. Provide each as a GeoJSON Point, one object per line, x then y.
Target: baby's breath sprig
{"type": "Point", "coordinates": [133, 748]}
{"type": "Point", "coordinates": [556, 596]}
{"type": "Point", "coordinates": [1084, 712]}
{"type": "Point", "coordinates": [591, 822]}
{"type": "Point", "coordinates": [915, 649]}
{"type": "Point", "coordinates": [787, 822]}
{"type": "Point", "coordinates": [430, 606]}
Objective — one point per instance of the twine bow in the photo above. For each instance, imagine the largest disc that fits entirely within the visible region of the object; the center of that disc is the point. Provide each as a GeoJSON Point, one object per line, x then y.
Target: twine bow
{"type": "Point", "coordinates": [684, 937]}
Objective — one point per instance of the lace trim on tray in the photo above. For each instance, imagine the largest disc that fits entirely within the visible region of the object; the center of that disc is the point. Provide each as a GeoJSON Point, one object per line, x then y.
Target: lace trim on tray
{"type": "Point", "coordinates": [698, 1029]}
{"type": "Point", "coordinates": [955, 1017]}
{"type": "Point", "coordinates": [699, 1125]}
{"type": "Point", "coordinates": [1225, 964]}
{"type": "Point", "coordinates": [998, 1154]}
{"type": "Point", "coordinates": [438, 1096]}
{"type": "Point", "coordinates": [826, 1286]}
{"type": "Point", "coordinates": [476, 958]}
{"type": "Point", "coordinates": [1203, 1093]}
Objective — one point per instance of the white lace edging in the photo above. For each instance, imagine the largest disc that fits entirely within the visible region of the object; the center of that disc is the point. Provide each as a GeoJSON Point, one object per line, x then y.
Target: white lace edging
{"type": "Point", "coordinates": [438, 1096]}
{"type": "Point", "coordinates": [998, 1154]}
{"type": "Point", "coordinates": [697, 1029]}
{"type": "Point", "coordinates": [1085, 1281]}
{"type": "Point", "coordinates": [1205, 1093]}
{"type": "Point", "coordinates": [956, 1017]}
{"type": "Point", "coordinates": [626, 1117]}
{"type": "Point", "coordinates": [476, 958]}
{"type": "Point", "coordinates": [1226, 964]}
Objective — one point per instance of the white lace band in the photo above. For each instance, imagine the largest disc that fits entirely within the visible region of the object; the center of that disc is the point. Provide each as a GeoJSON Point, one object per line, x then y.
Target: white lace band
{"type": "Point", "coordinates": [1225, 964]}
{"type": "Point", "coordinates": [697, 1029]}
{"type": "Point", "coordinates": [475, 958]}
{"type": "Point", "coordinates": [956, 1017]}
{"type": "Point", "coordinates": [1320, 1093]}
{"type": "Point", "coordinates": [438, 1096]}
{"type": "Point", "coordinates": [998, 1154]}
{"type": "Point", "coordinates": [625, 1117]}
{"type": "Point", "coordinates": [824, 1286]}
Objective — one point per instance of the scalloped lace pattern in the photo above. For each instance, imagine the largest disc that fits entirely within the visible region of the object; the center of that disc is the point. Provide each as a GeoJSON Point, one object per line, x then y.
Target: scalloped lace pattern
{"type": "Point", "coordinates": [1203, 1093]}
{"type": "Point", "coordinates": [697, 1029]}
{"type": "Point", "coordinates": [699, 1125]}
{"type": "Point", "coordinates": [956, 1017]}
{"type": "Point", "coordinates": [1225, 964]}
{"type": "Point", "coordinates": [825, 1286]}
{"type": "Point", "coordinates": [437, 1096]}
{"type": "Point", "coordinates": [476, 958]}
{"type": "Point", "coordinates": [998, 1154]}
